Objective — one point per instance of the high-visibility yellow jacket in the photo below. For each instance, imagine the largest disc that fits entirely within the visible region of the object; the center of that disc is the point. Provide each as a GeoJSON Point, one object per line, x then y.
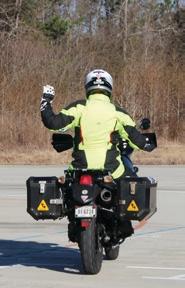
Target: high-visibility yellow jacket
{"type": "Point", "coordinates": [95, 121]}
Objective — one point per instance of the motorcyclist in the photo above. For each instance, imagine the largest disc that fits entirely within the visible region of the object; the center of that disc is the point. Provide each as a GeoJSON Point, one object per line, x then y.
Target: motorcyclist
{"type": "Point", "coordinates": [97, 124]}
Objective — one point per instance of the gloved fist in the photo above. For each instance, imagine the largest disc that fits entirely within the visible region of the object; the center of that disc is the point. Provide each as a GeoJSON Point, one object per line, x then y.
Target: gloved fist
{"type": "Point", "coordinates": [48, 93]}
{"type": "Point", "coordinates": [47, 96]}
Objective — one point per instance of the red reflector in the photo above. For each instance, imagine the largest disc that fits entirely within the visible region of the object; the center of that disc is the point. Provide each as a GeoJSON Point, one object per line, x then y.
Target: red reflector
{"type": "Point", "coordinates": [85, 223]}
{"type": "Point", "coordinates": [86, 180]}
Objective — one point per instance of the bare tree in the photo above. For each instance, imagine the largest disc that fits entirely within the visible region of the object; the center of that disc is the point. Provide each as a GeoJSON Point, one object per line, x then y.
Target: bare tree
{"type": "Point", "coordinates": [18, 5]}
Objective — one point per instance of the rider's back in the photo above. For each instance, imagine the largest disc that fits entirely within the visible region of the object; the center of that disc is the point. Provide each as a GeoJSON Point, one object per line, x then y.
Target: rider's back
{"type": "Point", "coordinates": [97, 122]}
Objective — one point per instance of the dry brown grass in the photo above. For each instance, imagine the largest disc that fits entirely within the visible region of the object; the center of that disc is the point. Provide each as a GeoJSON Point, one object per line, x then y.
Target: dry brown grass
{"type": "Point", "coordinates": [167, 153]}
{"type": "Point", "coordinates": [34, 157]}
{"type": "Point", "coordinates": [150, 88]}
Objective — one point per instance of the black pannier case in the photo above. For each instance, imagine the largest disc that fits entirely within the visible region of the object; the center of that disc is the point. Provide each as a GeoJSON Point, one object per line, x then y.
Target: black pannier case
{"type": "Point", "coordinates": [44, 198]}
{"type": "Point", "coordinates": [140, 199]}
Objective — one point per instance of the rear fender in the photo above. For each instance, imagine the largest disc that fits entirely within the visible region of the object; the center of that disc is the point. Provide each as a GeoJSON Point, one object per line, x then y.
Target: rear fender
{"type": "Point", "coordinates": [85, 194]}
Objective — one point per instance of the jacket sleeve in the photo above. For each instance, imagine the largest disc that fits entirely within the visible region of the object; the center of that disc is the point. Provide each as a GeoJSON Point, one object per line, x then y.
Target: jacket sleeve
{"type": "Point", "coordinates": [135, 136]}
{"type": "Point", "coordinates": [136, 139]}
{"type": "Point", "coordinates": [67, 118]}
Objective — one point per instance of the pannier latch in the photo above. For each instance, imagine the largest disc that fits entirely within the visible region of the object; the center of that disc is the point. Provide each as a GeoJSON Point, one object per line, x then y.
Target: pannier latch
{"type": "Point", "coordinates": [133, 188]}
{"type": "Point", "coordinates": [42, 186]}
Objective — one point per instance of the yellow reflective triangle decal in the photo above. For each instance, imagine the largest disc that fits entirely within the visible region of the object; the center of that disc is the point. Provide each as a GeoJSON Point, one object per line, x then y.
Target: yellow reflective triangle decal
{"type": "Point", "coordinates": [42, 206]}
{"type": "Point", "coordinates": [133, 207]}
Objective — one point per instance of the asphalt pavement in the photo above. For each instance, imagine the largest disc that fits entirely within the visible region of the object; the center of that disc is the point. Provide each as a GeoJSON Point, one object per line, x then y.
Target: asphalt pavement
{"type": "Point", "coordinates": [37, 254]}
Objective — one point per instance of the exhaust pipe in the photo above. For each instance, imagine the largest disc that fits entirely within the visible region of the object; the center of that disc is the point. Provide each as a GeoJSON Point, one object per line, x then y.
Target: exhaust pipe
{"type": "Point", "coordinates": [106, 195]}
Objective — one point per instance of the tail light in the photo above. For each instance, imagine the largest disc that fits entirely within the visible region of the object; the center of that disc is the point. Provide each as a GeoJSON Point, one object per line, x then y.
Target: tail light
{"type": "Point", "coordinates": [85, 223]}
{"type": "Point", "coordinates": [86, 180]}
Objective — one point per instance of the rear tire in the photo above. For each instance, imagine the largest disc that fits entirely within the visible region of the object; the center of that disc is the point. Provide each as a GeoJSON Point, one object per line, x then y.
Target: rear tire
{"type": "Point", "coordinates": [112, 252]}
{"type": "Point", "coordinates": [91, 249]}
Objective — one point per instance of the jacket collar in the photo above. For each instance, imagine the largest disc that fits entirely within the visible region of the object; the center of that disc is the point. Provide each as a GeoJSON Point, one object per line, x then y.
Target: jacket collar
{"type": "Point", "coordinates": [100, 97]}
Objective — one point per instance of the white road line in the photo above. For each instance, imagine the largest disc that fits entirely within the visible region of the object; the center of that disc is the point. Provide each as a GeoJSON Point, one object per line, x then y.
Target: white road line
{"type": "Point", "coordinates": [176, 278]}
{"type": "Point", "coordinates": [157, 268]}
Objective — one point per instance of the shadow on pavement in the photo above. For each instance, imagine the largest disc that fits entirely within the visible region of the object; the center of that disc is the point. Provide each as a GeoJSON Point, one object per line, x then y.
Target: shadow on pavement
{"type": "Point", "coordinates": [43, 255]}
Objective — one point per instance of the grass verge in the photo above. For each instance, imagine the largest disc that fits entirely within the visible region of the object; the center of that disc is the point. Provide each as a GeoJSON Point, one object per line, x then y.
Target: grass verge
{"type": "Point", "coordinates": [167, 153]}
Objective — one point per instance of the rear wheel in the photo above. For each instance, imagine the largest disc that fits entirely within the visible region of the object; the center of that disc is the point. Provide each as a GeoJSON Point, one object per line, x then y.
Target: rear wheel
{"type": "Point", "coordinates": [112, 252]}
{"type": "Point", "coordinates": [91, 249]}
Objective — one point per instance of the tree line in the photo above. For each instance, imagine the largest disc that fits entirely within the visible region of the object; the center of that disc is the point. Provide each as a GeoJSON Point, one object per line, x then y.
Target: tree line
{"type": "Point", "coordinates": [141, 43]}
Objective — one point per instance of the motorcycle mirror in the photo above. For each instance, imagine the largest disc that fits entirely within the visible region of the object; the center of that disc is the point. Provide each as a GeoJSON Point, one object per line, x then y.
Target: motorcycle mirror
{"type": "Point", "coordinates": [144, 124]}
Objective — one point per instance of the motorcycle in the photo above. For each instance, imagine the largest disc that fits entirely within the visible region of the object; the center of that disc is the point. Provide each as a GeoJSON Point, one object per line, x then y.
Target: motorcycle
{"type": "Point", "coordinates": [88, 198]}
{"type": "Point", "coordinates": [91, 208]}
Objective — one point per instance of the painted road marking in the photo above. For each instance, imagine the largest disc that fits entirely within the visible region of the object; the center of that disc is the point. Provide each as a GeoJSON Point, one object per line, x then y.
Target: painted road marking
{"type": "Point", "coordinates": [176, 278]}
{"type": "Point", "coordinates": [164, 230]}
{"type": "Point", "coordinates": [157, 268]}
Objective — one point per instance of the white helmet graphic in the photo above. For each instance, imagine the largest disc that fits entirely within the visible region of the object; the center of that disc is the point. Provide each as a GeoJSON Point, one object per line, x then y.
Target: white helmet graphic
{"type": "Point", "coordinates": [98, 79]}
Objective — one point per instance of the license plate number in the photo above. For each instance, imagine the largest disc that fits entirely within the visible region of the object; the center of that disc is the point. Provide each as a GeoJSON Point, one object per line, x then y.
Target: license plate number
{"type": "Point", "coordinates": [85, 212]}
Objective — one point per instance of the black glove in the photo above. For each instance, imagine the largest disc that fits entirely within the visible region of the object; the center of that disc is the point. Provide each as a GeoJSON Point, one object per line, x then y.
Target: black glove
{"type": "Point", "coordinates": [47, 96]}
{"type": "Point", "coordinates": [124, 147]}
{"type": "Point", "coordinates": [145, 124]}
{"type": "Point", "coordinates": [149, 147]}
{"type": "Point", "coordinates": [151, 141]}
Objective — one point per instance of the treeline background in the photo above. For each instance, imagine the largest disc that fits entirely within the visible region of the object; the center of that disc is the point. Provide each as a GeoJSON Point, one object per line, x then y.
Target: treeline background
{"type": "Point", "coordinates": [141, 43]}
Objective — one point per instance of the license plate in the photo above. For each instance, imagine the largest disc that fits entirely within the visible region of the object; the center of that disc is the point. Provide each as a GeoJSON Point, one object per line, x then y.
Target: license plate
{"type": "Point", "coordinates": [85, 212]}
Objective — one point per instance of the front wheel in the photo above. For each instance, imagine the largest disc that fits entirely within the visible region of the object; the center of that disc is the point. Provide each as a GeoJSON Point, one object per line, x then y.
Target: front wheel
{"type": "Point", "coordinates": [91, 249]}
{"type": "Point", "coordinates": [112, 252]}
